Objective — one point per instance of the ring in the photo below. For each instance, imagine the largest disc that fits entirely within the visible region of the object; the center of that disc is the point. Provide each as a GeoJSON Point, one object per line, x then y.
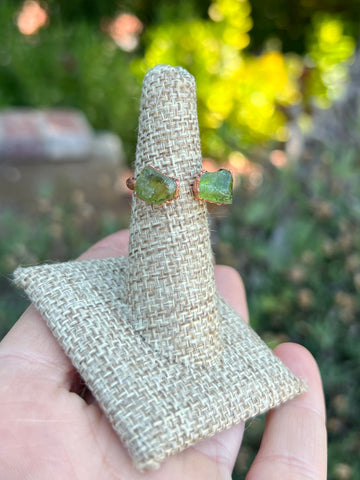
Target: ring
{"type": "Point", "coordinates": [214, 187]}
{"type": "Point", "coordinates": [156, 188]}
{"type": "Point", "coordinates": [153, 186]}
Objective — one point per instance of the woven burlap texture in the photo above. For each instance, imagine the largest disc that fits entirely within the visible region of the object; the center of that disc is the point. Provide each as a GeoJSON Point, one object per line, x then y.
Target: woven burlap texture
{"type": "Point", "coordinates": [168, 360]}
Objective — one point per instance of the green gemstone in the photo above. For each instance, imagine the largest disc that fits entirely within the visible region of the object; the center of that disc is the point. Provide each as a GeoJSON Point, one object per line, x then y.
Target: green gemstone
{"type": "Point", "coordinates": [154, 187]}
{"type": "Point", "coordinates": [216, 187]}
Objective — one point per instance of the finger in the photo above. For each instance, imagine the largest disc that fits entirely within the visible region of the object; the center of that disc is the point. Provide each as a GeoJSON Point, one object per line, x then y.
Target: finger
{"type": "Point", "coordinates": [115, 245]}
{"type": "Point", "coordinates": [30, 344]}
{"type": "Point", "coordinates": [294, 441]}
{"type": "Point", "coordinates": [231, 287]}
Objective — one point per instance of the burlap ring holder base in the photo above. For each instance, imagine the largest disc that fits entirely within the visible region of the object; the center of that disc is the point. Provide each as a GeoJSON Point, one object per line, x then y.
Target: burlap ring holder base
{"type": "Point", "coordinates": [168, 360]}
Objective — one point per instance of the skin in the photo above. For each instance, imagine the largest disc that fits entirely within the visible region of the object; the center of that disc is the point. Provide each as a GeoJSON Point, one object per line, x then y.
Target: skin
{"type": "Point", "coordinates": [47, 430]}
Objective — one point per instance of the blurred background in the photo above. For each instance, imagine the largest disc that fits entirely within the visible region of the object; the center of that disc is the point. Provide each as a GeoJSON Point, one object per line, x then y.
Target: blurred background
{"type": "Point", "coordinates": [279, 103]}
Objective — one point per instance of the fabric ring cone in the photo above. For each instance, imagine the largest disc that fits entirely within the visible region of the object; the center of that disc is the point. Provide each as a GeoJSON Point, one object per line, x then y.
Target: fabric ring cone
{"type": "Point", "coordinates": [170, 258]}
{"type": "Point", "coordinates": [168, 360]}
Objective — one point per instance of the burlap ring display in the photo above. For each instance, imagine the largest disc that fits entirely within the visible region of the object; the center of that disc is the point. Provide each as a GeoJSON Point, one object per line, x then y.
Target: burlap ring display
{"type": "Point", "coordinates": [168, 360]}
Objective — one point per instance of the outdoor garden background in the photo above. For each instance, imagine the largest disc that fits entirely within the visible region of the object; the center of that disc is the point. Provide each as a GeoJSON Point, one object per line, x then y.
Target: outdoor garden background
{"type": "Point", "coordinates": [279, 102]}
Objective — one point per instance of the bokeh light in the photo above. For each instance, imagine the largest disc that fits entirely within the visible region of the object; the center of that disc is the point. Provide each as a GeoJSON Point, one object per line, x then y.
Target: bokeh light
{"type": "Point", "coordinates": [237, 91]}
{"type": "Point", "coordinates": [278, 158]}
{"type": "Point", "coordinates": [330, 53]}
{"type": "Point", "coordinates": [125, 30]}
{"type": "Point", "coordinates": [31, 17]}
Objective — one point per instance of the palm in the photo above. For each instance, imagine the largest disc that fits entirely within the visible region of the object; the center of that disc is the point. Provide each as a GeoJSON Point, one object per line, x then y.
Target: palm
{"type": "Point", "coordinates": [48, 431]}
{"type": "Point", "coordinates": [48, 426]}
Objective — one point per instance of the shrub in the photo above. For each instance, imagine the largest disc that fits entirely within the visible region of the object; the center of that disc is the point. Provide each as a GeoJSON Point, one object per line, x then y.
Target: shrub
{"type": "Point", "coordinates": [296, 241]}
{"type": "Point", "coordinates": [75, 65]}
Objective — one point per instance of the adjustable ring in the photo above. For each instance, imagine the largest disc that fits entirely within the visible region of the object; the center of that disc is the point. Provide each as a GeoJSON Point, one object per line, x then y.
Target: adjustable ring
{"type": "Point", "coordinates": [214, 187]}
{"type": "Point", "coordinates": [152, 186]}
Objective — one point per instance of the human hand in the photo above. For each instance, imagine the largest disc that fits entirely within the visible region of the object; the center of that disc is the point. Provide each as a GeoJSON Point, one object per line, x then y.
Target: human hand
{"type": "Point", "coordinates": [49, 431]}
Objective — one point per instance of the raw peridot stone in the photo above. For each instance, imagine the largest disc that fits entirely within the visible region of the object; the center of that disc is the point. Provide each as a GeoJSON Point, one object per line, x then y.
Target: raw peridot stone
{"type": "Point", "coordinates": [216, 187]}
{"type": "Point", "coordinates": [154, 187]}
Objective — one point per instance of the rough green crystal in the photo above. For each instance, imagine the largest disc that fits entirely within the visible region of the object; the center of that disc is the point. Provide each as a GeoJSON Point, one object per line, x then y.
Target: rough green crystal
{"type": "Point", "coordinates": [154, 187]}
{"type": "Point", "coordinates": [216, 187]}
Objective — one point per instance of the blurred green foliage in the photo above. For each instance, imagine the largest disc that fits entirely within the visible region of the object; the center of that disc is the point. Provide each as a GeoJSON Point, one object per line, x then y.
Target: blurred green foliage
{"type": "Point", "coordinates": [295, 238]}
{"type": "Point", "coordinates": [236, 107]}
{"type": "Point", "coordinates": [73, 65]}
{"type": "Point", "coordinates": [292, 22]}
{"type": "Point", "coordinates": [329, 49]}
{"type": "Point", "coordinates": [49, 231]}
{"type": "Point", "coordinates": [73, 61]}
